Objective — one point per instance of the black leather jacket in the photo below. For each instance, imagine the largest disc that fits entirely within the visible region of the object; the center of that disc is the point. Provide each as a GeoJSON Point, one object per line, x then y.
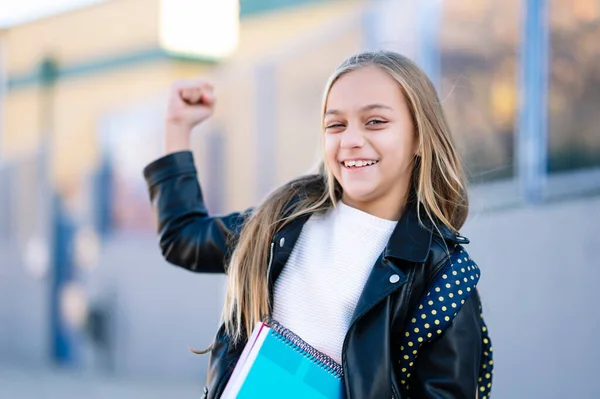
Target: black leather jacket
{"type": "Point", "coordinates": [448, 367]}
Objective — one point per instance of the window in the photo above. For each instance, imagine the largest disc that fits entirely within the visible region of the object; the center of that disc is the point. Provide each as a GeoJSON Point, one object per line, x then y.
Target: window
{"type": "Point", "coordinates": [479, 79]}
{"type": "Point", "coordinates": [574, 91]}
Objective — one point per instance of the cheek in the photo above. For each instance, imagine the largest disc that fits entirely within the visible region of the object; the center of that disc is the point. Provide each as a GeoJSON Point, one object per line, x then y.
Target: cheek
{"type": "Point", "coordinates": [331, 146]}
{"type": "Point", "coordinates": [403, 144]}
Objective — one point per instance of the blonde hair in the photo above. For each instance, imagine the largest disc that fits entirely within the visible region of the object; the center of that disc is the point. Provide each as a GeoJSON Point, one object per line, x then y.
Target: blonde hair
{"type": "Point", "coordinates": [437, 181]}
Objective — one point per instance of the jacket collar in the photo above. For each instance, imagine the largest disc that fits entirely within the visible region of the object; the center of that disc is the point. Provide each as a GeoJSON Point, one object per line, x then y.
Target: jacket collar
{"type": "Point", "coordinates": [411, 239]}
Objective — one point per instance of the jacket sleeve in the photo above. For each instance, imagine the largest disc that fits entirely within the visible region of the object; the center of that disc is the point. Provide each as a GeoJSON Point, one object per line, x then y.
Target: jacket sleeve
{"type": "Point", "coordinates": [448, 367]}
{"type": "Point", "coordinates": [188, 236]}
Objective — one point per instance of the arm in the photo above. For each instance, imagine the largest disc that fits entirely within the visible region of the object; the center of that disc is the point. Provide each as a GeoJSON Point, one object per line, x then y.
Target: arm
{"type": "Point", "coordinates": [188, 236]}
{"type": "Point", "coordinates": [448, 367]}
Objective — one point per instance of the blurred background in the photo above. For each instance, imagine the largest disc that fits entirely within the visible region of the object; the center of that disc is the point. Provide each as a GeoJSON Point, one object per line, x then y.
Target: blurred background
{"type": "Point", "coordinates": [88, 308]}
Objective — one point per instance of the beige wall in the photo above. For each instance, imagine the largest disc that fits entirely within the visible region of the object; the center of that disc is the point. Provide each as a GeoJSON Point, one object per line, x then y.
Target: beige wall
{"type": "Point", "coordinates": [78, 104]}
{"type": "Point", "coordinates": [305, 43]}
{"type": "Point", "coordinates": [22, 122]}
{"type": "Point", "coordinates": [108, 28]}
{"type": "Point", "coordinates": [302, 64]}
{"type": "Point", "coordinates": [301, 82]}
{"type": "Point", "coordinates": [281, 31]}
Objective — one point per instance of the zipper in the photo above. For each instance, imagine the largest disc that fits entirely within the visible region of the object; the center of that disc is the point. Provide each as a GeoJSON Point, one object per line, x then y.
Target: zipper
{"type": "Point", "coordinates": [345, 343]}
{"type": "Point", "coordinates": [223, 382]}
{"type": "Point", "coordinates": [269, 288]}
{"type": "Point", "coordinates": [270, 261]}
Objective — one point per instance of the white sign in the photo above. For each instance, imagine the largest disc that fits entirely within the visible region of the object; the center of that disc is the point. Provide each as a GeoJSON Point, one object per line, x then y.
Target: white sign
{"type": "Point", "coordinates": [202, 28]}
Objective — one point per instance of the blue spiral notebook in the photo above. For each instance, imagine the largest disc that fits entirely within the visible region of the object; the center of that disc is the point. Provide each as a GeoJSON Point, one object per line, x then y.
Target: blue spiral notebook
{"type": "Point", "coordinates": [276, 363]}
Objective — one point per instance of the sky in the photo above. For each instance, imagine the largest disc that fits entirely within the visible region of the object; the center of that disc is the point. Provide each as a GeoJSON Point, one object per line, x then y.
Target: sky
{"type": "Point", "coordinates": [18, 11]}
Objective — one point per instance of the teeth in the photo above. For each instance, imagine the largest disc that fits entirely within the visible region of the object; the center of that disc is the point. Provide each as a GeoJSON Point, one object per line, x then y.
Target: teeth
{"type": "Point", "coordinates": [359, 164]}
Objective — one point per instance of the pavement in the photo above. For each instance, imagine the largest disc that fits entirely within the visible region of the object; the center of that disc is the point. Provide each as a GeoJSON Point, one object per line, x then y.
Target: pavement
{"type": "Point", "coordinates": [49, 383]}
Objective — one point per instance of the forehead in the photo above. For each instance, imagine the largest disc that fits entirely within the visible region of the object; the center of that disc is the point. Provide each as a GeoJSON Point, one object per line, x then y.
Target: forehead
{"type": "Point", "coordinates": [364, 86]}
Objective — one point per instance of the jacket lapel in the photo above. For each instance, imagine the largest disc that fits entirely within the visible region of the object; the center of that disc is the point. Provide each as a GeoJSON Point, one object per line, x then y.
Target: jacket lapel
{"type": "Point", "coordinates": [410, 242]}
{"type": "Point", "coordinates": [384, 279]}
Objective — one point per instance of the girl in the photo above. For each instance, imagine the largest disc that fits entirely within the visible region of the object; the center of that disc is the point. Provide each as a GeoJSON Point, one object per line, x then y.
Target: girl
{"type": "Point", "coordinates": [362, 260]}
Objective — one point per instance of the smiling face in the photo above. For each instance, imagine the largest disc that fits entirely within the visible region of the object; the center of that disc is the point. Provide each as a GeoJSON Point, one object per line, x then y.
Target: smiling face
{"type": "Point", "coordinates": [370, 141]}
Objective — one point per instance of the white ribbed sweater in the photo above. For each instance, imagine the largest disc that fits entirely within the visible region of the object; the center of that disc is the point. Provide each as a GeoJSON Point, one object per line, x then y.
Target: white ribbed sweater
{"type": "Point", "coordinates": [319, 287]}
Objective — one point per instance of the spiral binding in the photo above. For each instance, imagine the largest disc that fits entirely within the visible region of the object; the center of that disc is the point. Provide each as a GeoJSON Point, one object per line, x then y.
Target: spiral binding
{"type": "Point", "coordinates": [316, 356]}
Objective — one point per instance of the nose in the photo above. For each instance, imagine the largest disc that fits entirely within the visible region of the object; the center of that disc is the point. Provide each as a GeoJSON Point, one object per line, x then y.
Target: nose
{"type": "Point", "coordinates": [352, 137]}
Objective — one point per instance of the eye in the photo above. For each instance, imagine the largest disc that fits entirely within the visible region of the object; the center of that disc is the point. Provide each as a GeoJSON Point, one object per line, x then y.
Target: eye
{"type": "Point", "coordinates": [376, 122]}
{"type": "Point", "coordinates": [334, 126]}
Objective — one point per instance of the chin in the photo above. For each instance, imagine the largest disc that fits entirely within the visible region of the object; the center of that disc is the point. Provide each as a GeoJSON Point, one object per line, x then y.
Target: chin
{"type": "Point", "coordinates": [359, 194]}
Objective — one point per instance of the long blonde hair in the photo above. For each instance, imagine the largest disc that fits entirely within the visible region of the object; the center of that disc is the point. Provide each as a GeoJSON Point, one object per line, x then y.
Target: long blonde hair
{"type": "Point", "coordinates": [437, 181]}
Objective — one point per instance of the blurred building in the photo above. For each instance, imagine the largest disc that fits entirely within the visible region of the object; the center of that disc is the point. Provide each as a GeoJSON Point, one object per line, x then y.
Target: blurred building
{"type": "Point", "coordinates": [82, 98]}
{"type": "Point", "coordinates": [74, 75]}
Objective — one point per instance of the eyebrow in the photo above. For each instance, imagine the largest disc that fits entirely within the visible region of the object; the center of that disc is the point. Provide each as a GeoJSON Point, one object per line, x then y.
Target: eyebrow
{"type": "Point", "coordinates": [365, 108]}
